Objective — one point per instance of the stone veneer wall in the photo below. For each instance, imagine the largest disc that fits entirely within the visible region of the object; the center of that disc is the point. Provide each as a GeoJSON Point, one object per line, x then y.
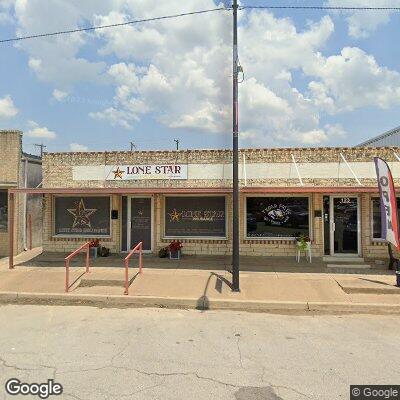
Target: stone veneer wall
{"type": "Point", "coordinates": [57, 171]}
{"type": "Point", "coordinates": [10, 177]}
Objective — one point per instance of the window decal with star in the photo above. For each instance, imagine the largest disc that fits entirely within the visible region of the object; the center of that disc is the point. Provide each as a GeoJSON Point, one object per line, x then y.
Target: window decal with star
{"type": "Point", "coordinates": [82, 216]}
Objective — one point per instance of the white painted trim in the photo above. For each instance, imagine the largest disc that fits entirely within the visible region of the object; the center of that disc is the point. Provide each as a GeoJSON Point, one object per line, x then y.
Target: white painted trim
{"type": "Point", "coordinates": [297, 170]}
{"type": "Point", "coordinates": [351, 169]}
{"type": "Point", "coordinates": [244, 170]}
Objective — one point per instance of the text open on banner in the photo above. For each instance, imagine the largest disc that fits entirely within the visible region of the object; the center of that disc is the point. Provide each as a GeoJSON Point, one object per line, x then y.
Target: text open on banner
{"type": "Point", "coordinates": [389, 217]}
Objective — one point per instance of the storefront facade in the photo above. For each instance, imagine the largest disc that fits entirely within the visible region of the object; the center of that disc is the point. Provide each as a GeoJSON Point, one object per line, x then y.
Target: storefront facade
{"type": "Point", "coordinates": [121, 198]}
{"type": "Point", "coordinates": [19, 170]}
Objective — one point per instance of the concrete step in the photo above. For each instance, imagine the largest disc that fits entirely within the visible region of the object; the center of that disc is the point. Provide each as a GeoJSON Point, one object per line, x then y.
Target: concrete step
{"type": "Point", "coordinates": [366, 286]}
{"type": "Point", "coordinates": [349, 266]}
{"type": "Point", "coordinates": [342, 259]}
{"type": "Point", "coordinates": [105, 279]}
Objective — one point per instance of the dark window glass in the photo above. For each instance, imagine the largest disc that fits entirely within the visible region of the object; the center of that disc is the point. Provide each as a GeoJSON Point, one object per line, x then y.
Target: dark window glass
{"type": "Point", "coordinates": [195, 216]}
{"type": "Point", "coordinates": [82, 216]}
{"type": "Point", "coordinates": [3, 210]}
{"type": "Point", "coordinates": [277, 217]}
{"type": "Point", "coordinates": [376, 216]}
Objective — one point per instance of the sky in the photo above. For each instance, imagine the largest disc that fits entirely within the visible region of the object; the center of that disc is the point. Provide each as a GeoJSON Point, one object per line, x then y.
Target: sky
{"type": "Point", "coordinates": [311, 78]}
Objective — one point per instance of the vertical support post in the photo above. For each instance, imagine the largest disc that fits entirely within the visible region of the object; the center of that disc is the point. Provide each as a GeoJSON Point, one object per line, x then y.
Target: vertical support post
{"type": "Point", "coordinates": [87, 257]}
{"type": "Point", "coordinates": [66, 276]}
{"type": "Point", "coordinates": [30, 230]}
{"type": "Point", "coordinates": [126, 277]}
{"type": "Point", "coordinates": [11, 206]}
{"type": "Point", "coordinates": [140, 258]}
{"type": "Point", "coordinates": [235, 167]}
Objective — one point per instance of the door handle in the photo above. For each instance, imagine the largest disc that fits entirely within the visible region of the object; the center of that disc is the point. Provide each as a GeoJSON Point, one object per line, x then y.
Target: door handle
{"type": "Point", "coordinates": [333, 227]}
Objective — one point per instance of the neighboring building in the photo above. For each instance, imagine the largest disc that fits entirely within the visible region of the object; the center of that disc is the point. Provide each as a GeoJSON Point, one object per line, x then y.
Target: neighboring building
{"type": "Point", "coordinates": [387, 139]}
{"type": "Point", "coordinates": [121, 198]}
{"type": "Point", "coordinates": [19, 170]}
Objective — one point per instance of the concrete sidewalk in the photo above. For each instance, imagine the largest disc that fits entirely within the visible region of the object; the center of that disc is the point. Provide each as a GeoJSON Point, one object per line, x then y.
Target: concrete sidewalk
{"type": "Point", "coordinates": [176, 288]}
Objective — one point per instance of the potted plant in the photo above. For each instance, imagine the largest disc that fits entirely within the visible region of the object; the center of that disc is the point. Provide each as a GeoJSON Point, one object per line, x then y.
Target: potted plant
{"type": "Point", "coordinates": [174, 250]}
{"type": "Point", "coordinates": [302, 242]}
{"type": "Point", "coordinates": [93, 247]}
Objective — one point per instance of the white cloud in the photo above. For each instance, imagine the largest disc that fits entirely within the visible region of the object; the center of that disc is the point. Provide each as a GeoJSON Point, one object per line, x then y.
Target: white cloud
{"type": "Point", "coordinates": [59, 95]}
{"type": "Point", "coordinates": [7, 107]}
{"type": "Point", "coordinates": [363, 23]}
{"type": "Point", "coordinates": [78, 147]}
{"type": "Point", "coordinates": [39, 131]}
{"type": "Point", "coordinates": [57, 59]}
{"type": "Point", "coordinates": [5, 11]}
{"type": "Point", "coordinates": [175, 73]}
{"type": "Point", "coordinates": [352, 80]}
{"type": "Point", "coordinates": [314, 137]}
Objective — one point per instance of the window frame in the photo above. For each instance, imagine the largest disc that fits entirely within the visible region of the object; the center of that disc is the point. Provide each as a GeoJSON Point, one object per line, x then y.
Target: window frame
{"type": "Point", "coordinates": [4, 190]}
{"type": "Point", "coordinates": [377, 240]}
{"type": "Point", "coordinates": [165, 237]}
{"type": "Point", "coordinates": [278, 238]}
{"type": "Point", "coordinates": [54, 235]}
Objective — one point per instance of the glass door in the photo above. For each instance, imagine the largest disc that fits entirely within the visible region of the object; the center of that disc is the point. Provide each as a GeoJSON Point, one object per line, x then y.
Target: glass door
{"type": "Point", "coordinates": [140, 229]}
{"type": "Point", "coordinates": [345, 225]}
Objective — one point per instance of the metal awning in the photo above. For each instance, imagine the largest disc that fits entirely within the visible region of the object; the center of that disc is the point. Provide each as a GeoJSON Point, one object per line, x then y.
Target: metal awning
{"type": "Point", "coordinates": [205, 190]}
{"type": "Point", "coordinates": [311, 189]}
{"type": "Point", "coordinates": [121, 190]}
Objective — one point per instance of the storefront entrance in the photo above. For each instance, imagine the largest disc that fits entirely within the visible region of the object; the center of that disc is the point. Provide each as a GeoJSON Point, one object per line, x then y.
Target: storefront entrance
{"type": "Point", "coordinates": [140, 222]}
{"type": "Point", "coordinates": [341, 225]}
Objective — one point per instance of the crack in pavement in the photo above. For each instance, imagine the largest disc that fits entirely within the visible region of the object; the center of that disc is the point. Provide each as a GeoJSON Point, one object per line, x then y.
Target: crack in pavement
{"type": "Point", "coordinates": [291, 389]}
{"type": "Point", "coordinates": [74, 396]}
{"type": "Point", "coordinates": [157, 374]}
{"type": "Point", "coordinates": [240, 352]}
{"type": "Point", "coordinates": [16, 367]}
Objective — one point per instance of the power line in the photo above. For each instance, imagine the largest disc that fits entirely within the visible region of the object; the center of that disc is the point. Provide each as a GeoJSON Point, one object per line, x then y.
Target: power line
{"type": "Point", "coordinates": [93, 28]}
{"type": "Point", "coordinates": [338, 8]}
{"type": "Point", "coordinates": [138, 21]}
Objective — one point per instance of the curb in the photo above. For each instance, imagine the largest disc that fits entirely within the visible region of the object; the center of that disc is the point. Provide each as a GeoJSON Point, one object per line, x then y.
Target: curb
{"type": "Point", "coordinates": [202, 303]}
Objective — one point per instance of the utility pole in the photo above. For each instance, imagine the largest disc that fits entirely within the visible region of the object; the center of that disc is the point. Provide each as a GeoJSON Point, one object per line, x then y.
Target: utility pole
{"type": "Point", "coordinates": [235, 160]}
{"type": "Point", "coordinates": [177, 144]}
{"type": "Point", "coordinates": [133, 146]}
{"type": "Point", "coordinates": [42, 147]}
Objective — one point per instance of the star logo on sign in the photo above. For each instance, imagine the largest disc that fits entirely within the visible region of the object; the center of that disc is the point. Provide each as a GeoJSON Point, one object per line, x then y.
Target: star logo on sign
{"type": "Point", "coordinates": [81, 214]}
{"type": "Point", "coordinates": [118, 173]}
{"type": "Point", "coordinates": [174, 215]}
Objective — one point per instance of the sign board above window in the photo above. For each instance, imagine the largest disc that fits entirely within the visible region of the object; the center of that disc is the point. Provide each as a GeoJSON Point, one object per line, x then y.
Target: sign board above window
{"type": "Point", "coordinates": [130, 172]}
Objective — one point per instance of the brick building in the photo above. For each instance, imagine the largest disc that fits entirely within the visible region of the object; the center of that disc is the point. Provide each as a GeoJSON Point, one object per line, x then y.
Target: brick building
{"type": "Point", "coordinates": [19, 170]}
{"type": "Point", "coordinates": [121, 198]}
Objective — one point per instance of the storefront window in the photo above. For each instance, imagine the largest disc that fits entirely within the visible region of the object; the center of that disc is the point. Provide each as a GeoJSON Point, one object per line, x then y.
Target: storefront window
{"type": "Point", "coordinates": [3, 211]}
{"type": "Point", "coordinates": [201, 216]}
{"type": "Point", "coordinates": [82, 216]}
{"type": "Point", "coordinates": [376, 217]}
{"type": "Point", "coordinates": [277, 217]}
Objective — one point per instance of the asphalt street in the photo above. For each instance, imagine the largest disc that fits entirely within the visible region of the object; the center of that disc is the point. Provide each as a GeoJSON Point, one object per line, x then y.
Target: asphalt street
{"type": "Point", "coordinates": [176, 354]}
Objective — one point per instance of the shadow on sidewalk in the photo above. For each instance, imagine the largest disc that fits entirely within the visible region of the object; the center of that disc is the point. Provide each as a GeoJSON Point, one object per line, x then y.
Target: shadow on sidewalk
{"type": "Point", "coordinates": [203, 302]}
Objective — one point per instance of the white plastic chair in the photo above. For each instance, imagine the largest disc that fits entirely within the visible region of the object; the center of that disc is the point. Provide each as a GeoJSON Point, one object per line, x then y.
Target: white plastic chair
{"type": "Point", "coordinates": [307, 252]}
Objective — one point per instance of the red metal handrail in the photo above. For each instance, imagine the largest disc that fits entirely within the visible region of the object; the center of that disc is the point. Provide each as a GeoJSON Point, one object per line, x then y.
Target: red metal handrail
{"type": "Point", "coordinates": [70, 257]}
{"type": "Point", "coordinates": [136, 250]}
